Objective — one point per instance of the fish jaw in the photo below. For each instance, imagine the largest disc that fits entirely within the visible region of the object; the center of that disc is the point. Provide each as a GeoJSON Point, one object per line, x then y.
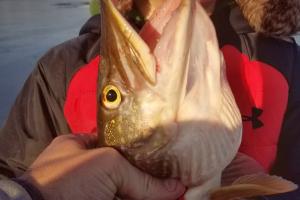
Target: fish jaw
{"type": "Point", "coordinates": [123, 48]}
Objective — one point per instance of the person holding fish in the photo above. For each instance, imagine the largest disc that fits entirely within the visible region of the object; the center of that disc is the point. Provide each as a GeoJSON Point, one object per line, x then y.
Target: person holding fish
{"type": "Point", "coordinates": [159, 100]}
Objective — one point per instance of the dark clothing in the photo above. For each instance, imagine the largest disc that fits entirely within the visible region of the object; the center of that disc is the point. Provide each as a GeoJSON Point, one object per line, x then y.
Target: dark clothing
{"type": "Point", "coordinates": [37, 115]}
{"type": "Point", "coordinates": [11, 190]}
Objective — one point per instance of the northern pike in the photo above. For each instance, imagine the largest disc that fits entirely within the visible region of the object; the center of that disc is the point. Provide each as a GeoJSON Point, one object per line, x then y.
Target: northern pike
{"type": "Point", "coordinates": [165, 103]}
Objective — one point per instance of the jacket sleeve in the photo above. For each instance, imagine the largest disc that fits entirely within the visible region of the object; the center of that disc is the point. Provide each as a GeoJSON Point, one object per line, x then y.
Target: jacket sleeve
{"type": "Point", "coordinates": [10, 190]}
{"type": "Point", "coordinates": [35, 119]}
{"type": "Point", "coordinates": [38, 113]}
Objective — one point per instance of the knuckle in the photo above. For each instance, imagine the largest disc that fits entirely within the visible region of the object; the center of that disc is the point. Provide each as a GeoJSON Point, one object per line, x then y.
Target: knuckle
{"type": "Point", "coordinates": [61, 138]}
{"type": "Point", "coordinates": [111, 162]}
{"type": "Point", "coordinates": [112, 153]}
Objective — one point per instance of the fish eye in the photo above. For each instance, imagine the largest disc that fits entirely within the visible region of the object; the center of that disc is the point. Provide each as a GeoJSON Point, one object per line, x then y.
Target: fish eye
{"type": "Point", "coordinates": [111, 97]}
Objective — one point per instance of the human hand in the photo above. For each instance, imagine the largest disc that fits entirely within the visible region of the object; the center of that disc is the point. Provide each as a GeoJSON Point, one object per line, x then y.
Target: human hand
{"type": "Point", "coordinates": [67, 169]}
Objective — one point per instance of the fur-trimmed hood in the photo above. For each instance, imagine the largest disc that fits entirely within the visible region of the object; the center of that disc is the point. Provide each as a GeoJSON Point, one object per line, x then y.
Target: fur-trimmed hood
{"type": "Point", "coordinates": [272, 17]}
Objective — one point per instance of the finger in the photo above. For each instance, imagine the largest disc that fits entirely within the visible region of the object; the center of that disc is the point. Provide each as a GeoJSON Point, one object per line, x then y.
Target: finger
{"type": "Point", "coordinates": [75, 141]}
{"type": "Point", "coordinates": [87, 140]}
{"type": "Point", "coordinates": [134, 184]}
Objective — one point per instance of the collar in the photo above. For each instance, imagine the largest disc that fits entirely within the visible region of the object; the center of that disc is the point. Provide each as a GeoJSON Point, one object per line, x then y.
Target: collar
{"type": "Point", "coordinates": [238, 22]}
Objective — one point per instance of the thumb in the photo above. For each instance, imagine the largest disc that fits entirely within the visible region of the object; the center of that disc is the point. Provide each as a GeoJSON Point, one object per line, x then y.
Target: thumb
{"type": "Point", "coordinates": [134, 184]}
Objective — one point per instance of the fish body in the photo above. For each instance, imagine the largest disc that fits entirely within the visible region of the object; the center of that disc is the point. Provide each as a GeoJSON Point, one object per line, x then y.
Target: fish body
{"type": "Point", "coordinates": [165, 104]}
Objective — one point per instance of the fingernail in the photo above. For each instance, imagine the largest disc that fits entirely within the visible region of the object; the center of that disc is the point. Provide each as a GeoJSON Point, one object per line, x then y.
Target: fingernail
{"type": "Point", "coordinates": [171, 185]}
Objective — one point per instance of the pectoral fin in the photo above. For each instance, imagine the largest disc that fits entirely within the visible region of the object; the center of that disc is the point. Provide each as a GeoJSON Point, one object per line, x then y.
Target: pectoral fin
{"type": "Point", "coordinates": [253, 185]}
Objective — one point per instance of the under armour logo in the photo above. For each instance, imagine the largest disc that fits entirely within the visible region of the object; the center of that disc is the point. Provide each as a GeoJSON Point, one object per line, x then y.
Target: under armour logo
{"type": "Point", "coordinates": [256, 123]}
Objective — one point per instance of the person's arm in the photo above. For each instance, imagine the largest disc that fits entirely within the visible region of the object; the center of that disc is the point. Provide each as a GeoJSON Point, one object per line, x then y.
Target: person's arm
{"type": "Point", "coordinates": [37, 115]}
{"type": "Point", "coordinates": [35, 119]}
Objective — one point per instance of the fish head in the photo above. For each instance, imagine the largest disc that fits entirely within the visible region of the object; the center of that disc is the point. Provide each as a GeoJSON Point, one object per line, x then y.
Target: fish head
{"type": "Point", "coordinates": [163, 93]}
{"type": "Point", "coordinates": [129, 107]}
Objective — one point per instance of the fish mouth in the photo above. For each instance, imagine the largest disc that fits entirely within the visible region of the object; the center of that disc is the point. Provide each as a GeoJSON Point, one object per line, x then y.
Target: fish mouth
{"type": "Point", "coordinates": [133, 52]}
{"type": "Point", "coordinates": [122, 46]}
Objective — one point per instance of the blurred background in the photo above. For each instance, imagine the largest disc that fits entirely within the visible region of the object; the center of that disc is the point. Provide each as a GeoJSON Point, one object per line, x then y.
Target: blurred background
{"type": "Point", "coordinates": [28, 28]}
